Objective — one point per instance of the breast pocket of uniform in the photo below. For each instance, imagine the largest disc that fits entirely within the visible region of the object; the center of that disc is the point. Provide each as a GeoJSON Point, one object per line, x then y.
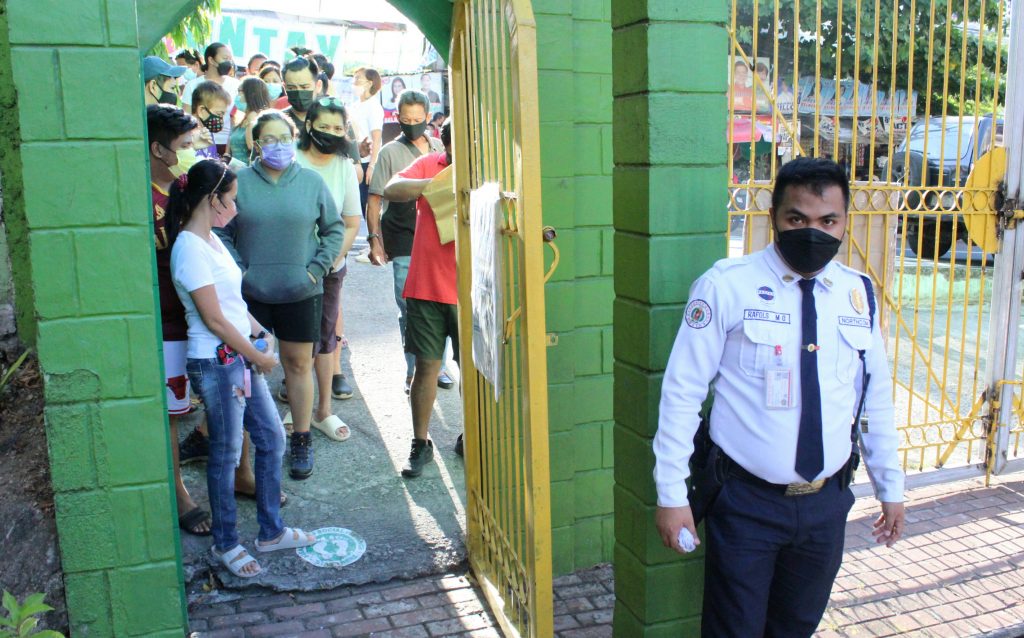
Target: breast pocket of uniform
{"type": "Point", "coordinates": [758, 345]}
{"type": "Point", "coordinates": [852, 339]}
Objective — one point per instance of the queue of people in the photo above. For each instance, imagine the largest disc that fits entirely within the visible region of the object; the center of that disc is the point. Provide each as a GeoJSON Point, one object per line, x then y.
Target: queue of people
{"type": "Point", "coordinates": [255, 209]}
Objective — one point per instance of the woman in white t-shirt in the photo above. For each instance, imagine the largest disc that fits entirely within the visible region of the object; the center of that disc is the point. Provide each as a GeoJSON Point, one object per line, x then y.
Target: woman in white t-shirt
{"type": "Point", "coordinates": [323, 148]}
{"type": "Point", "coordinates": [367, 116]}
{"type": "Point", "coordinates": [209, 284]}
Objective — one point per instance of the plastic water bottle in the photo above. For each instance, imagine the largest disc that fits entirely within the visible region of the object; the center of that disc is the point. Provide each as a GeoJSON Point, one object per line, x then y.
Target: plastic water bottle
{"type": "Point", "coordinates": [686, 540]}
{"type": "Point", "coordinates": [260, 344]}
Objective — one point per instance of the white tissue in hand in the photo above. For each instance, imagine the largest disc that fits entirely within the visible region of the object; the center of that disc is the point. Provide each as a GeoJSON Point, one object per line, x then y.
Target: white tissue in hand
{"type": "Point", "coordinates": [686, 540]}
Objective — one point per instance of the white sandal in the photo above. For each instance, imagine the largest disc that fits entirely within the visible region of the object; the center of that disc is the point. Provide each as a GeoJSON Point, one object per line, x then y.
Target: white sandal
{"type": "Point", "coordinates": [289, 539]}
{"type": "Point", "coordinates": [236, 559]}
{"type": "Point", "coordinates": [330, 427]}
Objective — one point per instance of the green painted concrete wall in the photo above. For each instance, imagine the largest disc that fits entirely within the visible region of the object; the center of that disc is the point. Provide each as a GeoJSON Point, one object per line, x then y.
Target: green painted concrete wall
{"type": "Point", "coordinates": [575, 91]}
{"type": "Point", "coordinates": [670, 199]}
{"type": "Point", "coordinates": [84, 221]}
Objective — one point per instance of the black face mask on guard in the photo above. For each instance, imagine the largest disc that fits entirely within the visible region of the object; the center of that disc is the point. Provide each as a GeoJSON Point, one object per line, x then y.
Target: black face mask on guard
{"type": "Point", "coordinates": [807, 250]}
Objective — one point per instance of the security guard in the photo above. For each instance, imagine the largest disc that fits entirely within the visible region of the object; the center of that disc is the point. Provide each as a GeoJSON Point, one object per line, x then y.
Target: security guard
{"type": "Point", "coordinates": [785, 336]}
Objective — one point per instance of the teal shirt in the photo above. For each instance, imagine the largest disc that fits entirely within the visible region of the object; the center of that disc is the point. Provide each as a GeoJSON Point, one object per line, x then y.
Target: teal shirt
{"type": "Point", "coordinates": [236, 141]}
{"type": "Point", "coordinates": [283, 230]}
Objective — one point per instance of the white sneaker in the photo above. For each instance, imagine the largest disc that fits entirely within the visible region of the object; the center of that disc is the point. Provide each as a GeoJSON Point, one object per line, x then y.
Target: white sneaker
{"type": "Point", "coordinates": [364, 257]}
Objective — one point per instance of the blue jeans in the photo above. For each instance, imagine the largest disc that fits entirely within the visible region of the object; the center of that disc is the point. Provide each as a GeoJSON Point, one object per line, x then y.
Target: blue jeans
{"type": "Point", "coordinates": [400, 268]}
{"type": "Point", "coordinates": [227, 410]}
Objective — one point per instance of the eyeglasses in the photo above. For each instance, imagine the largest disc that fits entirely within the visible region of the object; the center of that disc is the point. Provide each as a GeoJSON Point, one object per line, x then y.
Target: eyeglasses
{"type": "Point", "coordinates": [267, 141]}
{"type": "Point", "coordinates": [330, 101]}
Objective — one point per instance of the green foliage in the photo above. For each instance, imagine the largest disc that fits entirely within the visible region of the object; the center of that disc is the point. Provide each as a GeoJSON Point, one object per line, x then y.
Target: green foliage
{"type": "Point", "coordinates": [21, 620]}
{"type": "Point", "coordinates": [5, 378]}
{"type": "Point", "coordinates": [195, 27]}
{"type": "Point", "coordinates": [961, 61]}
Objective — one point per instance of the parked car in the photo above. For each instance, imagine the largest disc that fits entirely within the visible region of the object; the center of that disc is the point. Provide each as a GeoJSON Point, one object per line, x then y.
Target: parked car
{"type": "Point", "coordinates": [936, 217]}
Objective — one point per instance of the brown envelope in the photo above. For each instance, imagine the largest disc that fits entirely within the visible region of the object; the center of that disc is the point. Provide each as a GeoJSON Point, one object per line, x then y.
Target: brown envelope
{"type": "Point", "coordinates": [440, 194]}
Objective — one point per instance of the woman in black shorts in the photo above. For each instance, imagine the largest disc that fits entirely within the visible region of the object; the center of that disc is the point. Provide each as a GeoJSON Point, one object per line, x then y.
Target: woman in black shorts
{"type": "Point", "coordinates": [286, 238]}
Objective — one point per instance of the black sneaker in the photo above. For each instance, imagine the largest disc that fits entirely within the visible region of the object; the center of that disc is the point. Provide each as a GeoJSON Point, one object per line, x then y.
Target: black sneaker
{"type": "Point", "coordinates": [340, 388]}
{"type": "Point", "coordinates": [194, 449]}
{"type": "Point", "coordinates": [300, 455]}
{"type": "Point", "coordinates": [422, 453]}
{"type": "Point", "coordinates": [458, 445]}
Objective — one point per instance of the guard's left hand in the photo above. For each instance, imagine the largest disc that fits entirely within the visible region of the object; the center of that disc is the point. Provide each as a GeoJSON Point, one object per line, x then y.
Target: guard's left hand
{"type": "Point", "coordinates": [890, 525]}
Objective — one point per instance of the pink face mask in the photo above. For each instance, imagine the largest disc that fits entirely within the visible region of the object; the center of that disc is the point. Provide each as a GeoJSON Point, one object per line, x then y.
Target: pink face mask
{"type": "Point", "coordinates": [224, 214]}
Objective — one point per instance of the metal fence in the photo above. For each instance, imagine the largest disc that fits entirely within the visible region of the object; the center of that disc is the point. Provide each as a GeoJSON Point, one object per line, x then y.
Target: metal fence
{"type": "Point", "coordinates": [907, 96]}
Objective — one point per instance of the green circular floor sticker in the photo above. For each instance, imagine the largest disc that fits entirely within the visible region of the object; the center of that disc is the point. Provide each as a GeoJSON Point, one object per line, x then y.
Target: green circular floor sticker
{"type": "Point", "coordinates": [334, 547]}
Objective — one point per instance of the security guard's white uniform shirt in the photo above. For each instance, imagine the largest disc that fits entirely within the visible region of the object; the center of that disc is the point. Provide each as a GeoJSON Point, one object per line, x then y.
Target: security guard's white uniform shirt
{"type": "Point", "coordinates": [740, 312]}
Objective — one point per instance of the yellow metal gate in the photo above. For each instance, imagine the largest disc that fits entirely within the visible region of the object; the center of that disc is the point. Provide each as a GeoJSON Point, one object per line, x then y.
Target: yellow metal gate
{"type": "Point", "coordinates": [907, 95]}
{"type": "Point", "coordinates": [496, 136]}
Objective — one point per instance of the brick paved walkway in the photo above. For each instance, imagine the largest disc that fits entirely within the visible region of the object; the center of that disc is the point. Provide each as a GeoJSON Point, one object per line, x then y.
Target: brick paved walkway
{"type": "Point", "coordinates": [957, 573]}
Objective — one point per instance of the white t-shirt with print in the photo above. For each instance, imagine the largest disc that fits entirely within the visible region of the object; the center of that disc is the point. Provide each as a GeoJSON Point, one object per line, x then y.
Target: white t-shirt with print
{"type": "Point", "coordinates": [366, 116]}
{"type": "Point", "coordinates": [195, 264]}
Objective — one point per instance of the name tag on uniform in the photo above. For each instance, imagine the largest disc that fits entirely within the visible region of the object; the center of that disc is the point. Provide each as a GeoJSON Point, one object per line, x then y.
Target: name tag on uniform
{"type": "Point", "coordinates": [861, 322]}
{"type": "Point", "coordinates": [765, 315]}
{"type": "Point", "coordinates": [778, 384]}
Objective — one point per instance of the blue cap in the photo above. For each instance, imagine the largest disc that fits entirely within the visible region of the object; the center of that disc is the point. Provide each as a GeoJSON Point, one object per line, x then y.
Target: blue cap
{"type": "Point", "coordinates": [153, 66]}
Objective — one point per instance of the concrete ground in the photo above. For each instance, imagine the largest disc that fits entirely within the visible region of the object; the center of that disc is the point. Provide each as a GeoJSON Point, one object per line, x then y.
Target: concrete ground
{"type": "Point", "coordinates": [957, 573]}
{"type": "Point", "coordinates": [411, 527]}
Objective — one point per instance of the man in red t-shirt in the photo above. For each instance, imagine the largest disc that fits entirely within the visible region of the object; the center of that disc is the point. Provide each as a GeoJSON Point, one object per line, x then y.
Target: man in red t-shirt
{"type": "Point", "coordinates": [431, 298]}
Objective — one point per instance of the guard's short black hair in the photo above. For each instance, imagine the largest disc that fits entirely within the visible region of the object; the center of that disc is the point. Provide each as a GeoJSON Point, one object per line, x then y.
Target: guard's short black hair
{"type": "Point", "coordinates": [814, 173]}
{"type": "Point", "coordinates": [166, 122]}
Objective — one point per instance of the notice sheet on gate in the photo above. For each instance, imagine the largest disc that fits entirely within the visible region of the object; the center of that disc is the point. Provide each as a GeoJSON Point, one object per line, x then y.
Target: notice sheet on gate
{"type": "Point", "coordinates": [485, 223]}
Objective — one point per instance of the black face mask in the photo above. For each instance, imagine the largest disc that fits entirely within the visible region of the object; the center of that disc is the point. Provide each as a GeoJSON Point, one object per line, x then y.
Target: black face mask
{"type": "Point", "coordinates": [413, 131]}
{"type": "Point", "coordinates": [807, 250]}
{"type": "Point", "coordinates": [214, 123]}
{"type": "Point", "coordinates": [224, 67]}
{"type": "Point", "coordinates": [166, 97]}
{"type": "Point", "coordinates": [300, 100]}
{"type": "Point", "coordinates": [327, 143]}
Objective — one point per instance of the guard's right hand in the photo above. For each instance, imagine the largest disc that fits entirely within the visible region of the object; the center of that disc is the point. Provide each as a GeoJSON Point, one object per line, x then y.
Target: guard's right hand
{"type": "Point", "coordinates": [670, 520]}
{"type": "Point", "coordinates": [377, 255]}
{"type": "Point", "coordinates": [265, 362]}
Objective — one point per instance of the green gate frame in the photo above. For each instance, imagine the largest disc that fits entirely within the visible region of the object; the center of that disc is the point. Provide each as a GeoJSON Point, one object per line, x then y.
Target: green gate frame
{"type": "Point", "coordinates": [77, 210]}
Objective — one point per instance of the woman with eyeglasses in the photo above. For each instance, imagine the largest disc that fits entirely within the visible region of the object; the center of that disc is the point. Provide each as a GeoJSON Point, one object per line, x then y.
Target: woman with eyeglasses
{"type": "Point", "coordinates": [226, 367]}
{"type": "Point", "coordinates": [286, 238]}
{"type": "Point", "coordinates": [252, 99]}
{"type": "Point", "coordinates": [323, 147]}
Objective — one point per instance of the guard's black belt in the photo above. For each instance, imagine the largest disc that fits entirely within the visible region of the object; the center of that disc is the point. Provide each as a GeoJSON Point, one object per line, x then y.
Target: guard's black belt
{"type": "Point", "coordinates": [792, 489]}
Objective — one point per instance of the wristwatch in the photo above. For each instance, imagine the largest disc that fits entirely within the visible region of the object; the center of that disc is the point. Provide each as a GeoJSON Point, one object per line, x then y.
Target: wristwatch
{"type": "Point", "coordinates": [370, 236]}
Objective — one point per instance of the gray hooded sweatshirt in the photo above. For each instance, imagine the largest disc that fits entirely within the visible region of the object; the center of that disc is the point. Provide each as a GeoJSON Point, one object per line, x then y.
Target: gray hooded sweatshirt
{"type": "Point", "coordinates": [283, 230]}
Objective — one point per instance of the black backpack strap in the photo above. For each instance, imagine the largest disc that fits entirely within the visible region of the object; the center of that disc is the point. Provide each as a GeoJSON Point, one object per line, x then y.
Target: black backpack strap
{"type": "Point", "coordinates": [869, 289]}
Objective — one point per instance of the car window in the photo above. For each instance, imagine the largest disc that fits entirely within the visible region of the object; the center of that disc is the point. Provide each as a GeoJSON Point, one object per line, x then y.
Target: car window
{"type": "Point", "coordinates": [934, 133]}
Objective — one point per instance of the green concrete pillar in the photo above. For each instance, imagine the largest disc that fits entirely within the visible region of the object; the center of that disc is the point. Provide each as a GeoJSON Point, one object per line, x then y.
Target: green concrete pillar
{"type": "Point", "coordinates": [81, 217]}
{"type": "Point", "coordinates": [669, 79]}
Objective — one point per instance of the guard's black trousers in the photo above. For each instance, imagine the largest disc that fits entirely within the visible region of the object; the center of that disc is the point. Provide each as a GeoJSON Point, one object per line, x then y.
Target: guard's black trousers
{"type": "Point", "coordinates": [771, 560]}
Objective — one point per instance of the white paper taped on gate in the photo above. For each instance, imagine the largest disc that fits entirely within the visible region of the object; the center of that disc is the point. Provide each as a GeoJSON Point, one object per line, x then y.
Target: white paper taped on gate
{"type": "Point", "coordinates": [485, 223]}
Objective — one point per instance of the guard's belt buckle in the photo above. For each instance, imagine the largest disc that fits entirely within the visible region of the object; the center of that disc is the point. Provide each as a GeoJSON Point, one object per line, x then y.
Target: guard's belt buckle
{"type": "Point", "coordinates": [802, 489]}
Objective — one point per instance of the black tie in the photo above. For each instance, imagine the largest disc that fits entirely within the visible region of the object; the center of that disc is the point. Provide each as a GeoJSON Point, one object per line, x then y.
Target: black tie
{"type": "Point", "coordinates": [810, 453]}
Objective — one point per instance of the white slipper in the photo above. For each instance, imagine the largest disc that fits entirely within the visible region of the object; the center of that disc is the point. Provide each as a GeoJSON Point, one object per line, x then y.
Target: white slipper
{"type": "Point", "coordinates": [290, 539]}
{"type": "Point", "coordinates": [330, 427]}
{"type": "Point", "coordinates": [236, 559]}
{"type": "Point", "coordinates": [289, 427]}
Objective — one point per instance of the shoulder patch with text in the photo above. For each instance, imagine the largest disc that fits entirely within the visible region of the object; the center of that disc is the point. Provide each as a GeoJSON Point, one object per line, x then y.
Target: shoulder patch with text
{"type": "Point", "coordinates": [698, 314]}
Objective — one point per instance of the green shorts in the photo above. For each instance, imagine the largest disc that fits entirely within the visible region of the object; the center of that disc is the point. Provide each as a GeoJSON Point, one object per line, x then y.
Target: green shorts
{"type": "Point", "coordinates": [427, 325]}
